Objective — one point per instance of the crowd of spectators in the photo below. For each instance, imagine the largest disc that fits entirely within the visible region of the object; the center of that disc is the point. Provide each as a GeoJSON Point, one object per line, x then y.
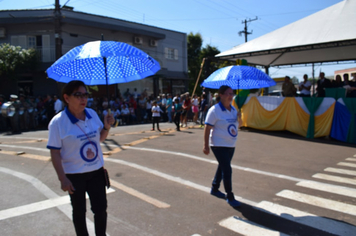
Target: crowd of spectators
{"type": "Point", "coordinates": [290, 90]}
{"type": "Point", "coordinates": [128, 108]}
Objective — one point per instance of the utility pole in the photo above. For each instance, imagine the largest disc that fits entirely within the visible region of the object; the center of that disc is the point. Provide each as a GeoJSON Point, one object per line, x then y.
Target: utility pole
{"type": "Point", "coordinates": [245, 29]}
{"type": "Point", "coordinates": [57, 29]}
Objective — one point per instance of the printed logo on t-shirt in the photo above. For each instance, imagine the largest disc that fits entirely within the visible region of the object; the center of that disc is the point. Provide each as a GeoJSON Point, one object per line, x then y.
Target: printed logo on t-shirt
{"type": "Point", "coordinates": [89, 151]}
{"type": "Point", "coordinates": [232, 130]}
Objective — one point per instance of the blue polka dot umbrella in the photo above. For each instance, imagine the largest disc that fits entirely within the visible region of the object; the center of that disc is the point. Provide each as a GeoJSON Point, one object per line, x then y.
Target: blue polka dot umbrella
{"type": "Point", "coordinates": [238, 77]}
{"type": "Point", "coordinates": [103, 63]}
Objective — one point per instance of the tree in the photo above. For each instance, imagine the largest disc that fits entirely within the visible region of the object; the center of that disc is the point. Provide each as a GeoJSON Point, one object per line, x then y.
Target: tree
{"type": "Point", "coordinates": [15, 60]}
{"type": "Point", "coordinates": [195, 42]}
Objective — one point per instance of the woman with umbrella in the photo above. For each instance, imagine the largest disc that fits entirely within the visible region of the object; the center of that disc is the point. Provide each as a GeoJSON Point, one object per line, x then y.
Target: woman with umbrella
{"type": "Point", "coordinates": [74, 140]}
{"type": "Point", "coordinates": [220, 133]}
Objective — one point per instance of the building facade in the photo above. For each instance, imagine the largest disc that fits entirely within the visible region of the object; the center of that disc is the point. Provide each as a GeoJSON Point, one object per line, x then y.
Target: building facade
{"type": "Point", "coordinates": [37, 29]}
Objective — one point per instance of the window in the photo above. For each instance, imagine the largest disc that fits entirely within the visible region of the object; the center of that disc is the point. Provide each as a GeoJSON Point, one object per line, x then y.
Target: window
{"type": "Point", "coordinates": [171, 53]}
{"type": "Point", "coordinates": [31, 41]}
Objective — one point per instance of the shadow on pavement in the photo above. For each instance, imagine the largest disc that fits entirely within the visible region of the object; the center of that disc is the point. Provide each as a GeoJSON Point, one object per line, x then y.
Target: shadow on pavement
{"type": "Point", "coordinates": [272, 221]}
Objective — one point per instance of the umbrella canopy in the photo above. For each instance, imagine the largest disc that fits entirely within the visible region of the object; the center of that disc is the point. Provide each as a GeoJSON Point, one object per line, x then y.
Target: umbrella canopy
{"type": "Point", "coordinates": [238, 77]}
{"type": "Point", "coordinates": [103, 62]}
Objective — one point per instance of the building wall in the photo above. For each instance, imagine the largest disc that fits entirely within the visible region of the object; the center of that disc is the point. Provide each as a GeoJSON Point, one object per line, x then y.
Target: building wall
{"type": "Point", "coordinates": [170, 50]}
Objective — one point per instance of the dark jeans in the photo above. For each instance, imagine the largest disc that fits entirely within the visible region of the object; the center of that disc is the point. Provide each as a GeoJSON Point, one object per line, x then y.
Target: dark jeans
{"type": "Point", "coordinates": [224, 171]}
{"type": "Point", "coordinates": [155, 119]}
{"type": "Point", "coordinates": [177, 120]}
{"type": "Point", "coordinates": [94, 184]}
{"type": "Point", "coordinates": [202, 117]}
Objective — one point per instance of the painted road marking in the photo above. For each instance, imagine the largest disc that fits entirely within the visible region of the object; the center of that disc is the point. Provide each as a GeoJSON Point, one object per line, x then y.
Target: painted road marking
{"type": "Point", "coordinates": [173, 178]}
{"type": "Point", "coordinates": [139, 195]}
{"type": "Point", "coordinates": [350, 159]}
{"type": "Point", "coordinates": [340, 190]}
{"type": "Point", "coordinates": [335, 178]}
{"type": "Point", "coordinates": [246, 227]}
{"type": "Point", "coordinates": [341, 171]}
{"type": "Point", "coordinates": [49, 193]}
{"type": "Point", "coordinates": [314, 221]}
{"type": "Point", "coordinates": [215, 162]}
{"type": "Point", "coordinates": [38, 206]}
{"type": "Point", "coordinates": [347, 164]}
{"type": "Point", "coordinates": [319, 202]}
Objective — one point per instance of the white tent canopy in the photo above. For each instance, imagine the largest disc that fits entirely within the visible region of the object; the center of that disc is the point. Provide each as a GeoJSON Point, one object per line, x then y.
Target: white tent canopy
{"type": "Point", "coordinates": [325, 36]}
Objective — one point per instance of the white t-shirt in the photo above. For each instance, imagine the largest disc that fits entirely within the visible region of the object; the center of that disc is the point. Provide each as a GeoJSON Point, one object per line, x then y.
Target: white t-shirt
{"type": "Point", "coordinates": [79, 155]}
{"type": "Point", "coordinates": [158, 111]}
{"type": "Point", "coordinates": [225, 123]}
{"type": "Point", "coordinates": [304, 91]}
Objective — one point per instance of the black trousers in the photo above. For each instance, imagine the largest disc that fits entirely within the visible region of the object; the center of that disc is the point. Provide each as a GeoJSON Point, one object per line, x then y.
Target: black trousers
{"type": "Point", "coordinates": [94, 184]}
{"type": "Point", "coordinates": [155, 119]}
{"type": "Point", "coordinates": [177, 120]}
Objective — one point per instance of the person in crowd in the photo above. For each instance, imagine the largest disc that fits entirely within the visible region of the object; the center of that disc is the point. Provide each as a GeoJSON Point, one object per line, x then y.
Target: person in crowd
{"type": "Point", "coordinates": [220, 134]}
{"type": "Point", "coordinates": [213, 100]}
{"type": "Point", "coordinates": [176, 97]}
{"type": "Point", "coordinates": [350, 86]}
{"type": "Point", "coordinates": [58, 105]}
{"type": "Point", "coordinates": [304, 87]}
{"type": "Point", "coordinates": [337, 83]}
{"type": "Point", "coordinates": [144, 93]}
{"type": "Point", "coordinates": [125, 114]}
{"type": "Point", "coordinates": [105, 103]}
{"type": "Point", "coordinates": [163, 106]}
{"type": "Point", "coordinates": [133, 117]}
{"type": "Point", "coordinates": [74, 142]}
{"type": "Point", "coordinates": [117, 115]}
{"type": "Point", "coordinates": [156, 115]}
{"type": "Point", "coordinates": [195, 108]}
{"type": "Point", "coordinates": [135, 94]}
{"type": "Point", "coordinates": [202, 109]}
{"type": "Point", "coordinates": [49, 106]}
{"type": "Point", "coordinates": [322, 83]}
{"type": "Point", "coordinates": [177, 113]}
{"type": "Point", "coordinates": [186, 108]}
{"type": "Point", "coordinates": [90, 101]}
{"type": "Point", "coordinates": [142, 108]}
{"type": "Point", "coordinates": [127, 94]}
{"type": "Point", "coordinates": [288, 88]}
{"type": "Point", "coordinates": [148, 109]}
{"type": "Point", "coordinates": [169, 105]}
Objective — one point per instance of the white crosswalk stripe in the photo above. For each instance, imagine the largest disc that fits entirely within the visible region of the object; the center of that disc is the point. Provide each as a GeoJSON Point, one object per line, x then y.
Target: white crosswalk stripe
{"type": "Point", "coordinates": [336, 189]}
{"type": "Point", "coordinates": [248, 228]}
{"type": "Point", "coordinates": [350, 159]}
{"type": "Point", "coordinates": [319, 202]}
{"type": "Point", "coordinates": [341, 171]}
{"type": "Point", "coordinates": [335, 178]}
{"type": "Point", "coordinates": [321, 223]}
{"type": "Point", "coordinates": [347, 164]}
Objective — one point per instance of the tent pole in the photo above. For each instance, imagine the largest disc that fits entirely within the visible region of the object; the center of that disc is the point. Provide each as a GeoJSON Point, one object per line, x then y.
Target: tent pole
{"type": "Point", "coordinates": [313, 79]}
{"type": "Point", "coordinates": [201, 68]}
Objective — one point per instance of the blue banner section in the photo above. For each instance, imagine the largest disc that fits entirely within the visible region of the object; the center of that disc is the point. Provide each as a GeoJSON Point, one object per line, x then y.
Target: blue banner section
{"type": "Point", "coordinates": [341, 123]}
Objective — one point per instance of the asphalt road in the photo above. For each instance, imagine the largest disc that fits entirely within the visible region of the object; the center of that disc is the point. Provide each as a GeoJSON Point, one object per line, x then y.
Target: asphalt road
{"type": "Point", "coordinates": [161, 181]}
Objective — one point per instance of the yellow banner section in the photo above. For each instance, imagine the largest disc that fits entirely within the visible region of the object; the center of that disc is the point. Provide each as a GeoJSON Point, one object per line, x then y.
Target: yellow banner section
{"type": "Point", "coordinates": [287, 116]}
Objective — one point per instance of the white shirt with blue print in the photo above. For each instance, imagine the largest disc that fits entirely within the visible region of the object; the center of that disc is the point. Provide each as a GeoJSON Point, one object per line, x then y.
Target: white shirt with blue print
{"type": "Point", "coordinates": [225, 124]}
{"type": "Point", "coordinates": [80, 152]}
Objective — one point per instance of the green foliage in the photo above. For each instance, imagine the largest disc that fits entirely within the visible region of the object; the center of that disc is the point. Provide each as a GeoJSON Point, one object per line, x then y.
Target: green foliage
{"type": "Point", "coordinates": [14, 60]}
{"type": "Point", "coordinates": [196, 53]}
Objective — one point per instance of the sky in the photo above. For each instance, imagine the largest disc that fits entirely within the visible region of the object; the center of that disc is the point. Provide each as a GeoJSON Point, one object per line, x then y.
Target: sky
{"type": "Point", "coordinates": [218, 21]}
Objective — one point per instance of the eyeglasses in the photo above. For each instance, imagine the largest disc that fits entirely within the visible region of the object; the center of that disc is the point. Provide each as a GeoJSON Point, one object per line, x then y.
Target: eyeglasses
{"type": "Point", "coordinates": [229, 94]}
{"type": "Point", "coordinates": [81, 95]}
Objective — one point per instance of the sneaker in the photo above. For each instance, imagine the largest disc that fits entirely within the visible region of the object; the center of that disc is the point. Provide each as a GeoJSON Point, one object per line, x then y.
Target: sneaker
{"type": "Point", "coordinates": [233, 203]}
{"type": "Point", "coordinates": [152, 129]}
{"type": "Point", "coordinates": [218, 194]}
